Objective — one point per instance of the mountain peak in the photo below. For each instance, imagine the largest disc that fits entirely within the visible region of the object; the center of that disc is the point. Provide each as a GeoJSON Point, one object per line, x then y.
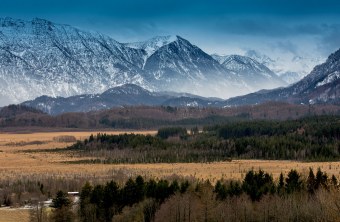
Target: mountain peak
{"type": "Point", "coordinates": [125, 89]}
{"type": "Point", "coordinates": [252, 72]}
{"type": "Point", "coordinates": [153, 44]}
{"type": "Point", "coordinates": [166, 38]}
{"type": "Point", "coordinates": [181, 40]}
{"type": "Point", "coordinates": [262, 58]}
{"type": "Point", "coordinates": [9, 22]}
{"type": "Point", "coordinates": [41, 21]}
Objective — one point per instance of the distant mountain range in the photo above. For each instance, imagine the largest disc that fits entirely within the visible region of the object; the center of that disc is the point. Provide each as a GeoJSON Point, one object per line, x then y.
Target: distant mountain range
{"type": "Point", "coordinates": [322, 85]}
{"type": "Point", "coordinates": [250, 72]}
{"type": "Point", "coordinates": [289, 69]}
{"type": "Point", "coordinates": [126, 95]}
{"type": "Point", "coordinates": [40, 57]}
{"type": "Point", "coordinates": [59, 68]}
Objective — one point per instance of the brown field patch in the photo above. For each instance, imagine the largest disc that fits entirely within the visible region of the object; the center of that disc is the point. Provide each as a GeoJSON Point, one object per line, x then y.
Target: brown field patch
{"type": "Point", "coordinates": [14, 215]}
{"type": "Point", "coordinates": [49, 140]}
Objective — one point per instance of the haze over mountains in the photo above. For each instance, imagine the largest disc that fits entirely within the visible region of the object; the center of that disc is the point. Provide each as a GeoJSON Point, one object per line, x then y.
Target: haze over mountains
{"type": "Point", "coordinates": [69, 70]}
{"type": "Point", "coordinates": [39, 57]}
{"type": "Point", "coordinates": [289, 69]}
{"type": "Point", "coordinates": [249, 71]}
{"type": "Point", "coordinates": [322, 85]}
{"type": "Point", "coordinates": [120, 96]}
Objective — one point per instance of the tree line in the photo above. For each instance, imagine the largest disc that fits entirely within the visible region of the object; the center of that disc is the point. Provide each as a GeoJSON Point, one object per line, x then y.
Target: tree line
{"type": "Point", "coordinates": [143, 117]}
{"type": "Point", "coordinates": [140, 200]}
{"type": "Point", "coordinates": [308, 139]}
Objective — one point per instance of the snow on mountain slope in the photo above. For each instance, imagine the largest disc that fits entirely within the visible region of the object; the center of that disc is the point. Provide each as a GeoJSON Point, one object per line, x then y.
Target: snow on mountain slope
{"type": "Point", "coordinates": [286, 66]}
{"type": "Point", "coordinates": [322, 85]}
{"type": "Point", "coordinates": [253, 73]}
{"type": "Point", "coordinates": [321, 75]}
{"type": "Point", "coordinates": [153, 44]}
{"type": "Point", "coordinates": [42, 58]}
{"type": "Point", "coordinates": [183, 67]}
{"type": "Point", "coordinates": [39, 57]}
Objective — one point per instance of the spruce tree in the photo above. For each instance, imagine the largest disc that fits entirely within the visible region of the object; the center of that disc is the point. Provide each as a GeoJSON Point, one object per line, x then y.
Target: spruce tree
{"type": "Point", "coordinates": [311, 182]}
{"type": "Point", "coordinates": [293, 182]}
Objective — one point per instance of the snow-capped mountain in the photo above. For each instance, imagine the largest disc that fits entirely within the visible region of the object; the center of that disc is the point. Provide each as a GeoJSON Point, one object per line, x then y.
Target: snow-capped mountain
{"type": "Point", "coordinates": [174, 64]}
{"type": "Point", "coordinates": [183, 67]}
{"type": "Point", "coordinates": [42, 58]}
{"type": "Point", "coordinates": [291, 68]}
{"type": "Point", "coordinates": [262, 58]}
{"type": "Point", "coordinates": [322, 85]}
{"type": "Point", "coordinates": [250, 71]}
{"type": "Point", "coordinates": [153, 44]}
{"type": "Point", "coordinates": [39, 57]}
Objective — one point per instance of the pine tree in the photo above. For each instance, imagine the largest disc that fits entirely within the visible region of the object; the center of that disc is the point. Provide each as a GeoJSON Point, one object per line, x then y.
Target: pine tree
{"type": "Point", "coordinates": [293, 182]}
{"type": "Point", "coordinates": [110, 200]}
{"type": "Point", "coordinates": [140, 188]}
{"type": "Point", "coordinates": [321, 180]}
{"type": "Point", "coordinates": [86, 210]}
{"type": "Point", "coordinates": [311, 182]}
{"type": "Point", "coordinates": [62, 205]}
{"type": "Point", "coordinates": [334, 181]}
{"type": "Point", "coordinates": [280, 187]}
{"type": "Point", "coordinates": [61, 200]}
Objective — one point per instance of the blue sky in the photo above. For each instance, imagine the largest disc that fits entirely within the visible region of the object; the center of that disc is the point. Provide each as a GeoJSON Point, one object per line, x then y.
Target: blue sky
{"type": "Point", "coordinates": [230, 26]}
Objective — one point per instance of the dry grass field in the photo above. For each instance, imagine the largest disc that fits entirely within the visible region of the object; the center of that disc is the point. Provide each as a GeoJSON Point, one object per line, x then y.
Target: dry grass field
{"type": "Point", "coordinates": [14, 215]}
{"type": "Point", "coordinates": [47, 140]}
{"type": "Point", "coordinates": [17, 162]}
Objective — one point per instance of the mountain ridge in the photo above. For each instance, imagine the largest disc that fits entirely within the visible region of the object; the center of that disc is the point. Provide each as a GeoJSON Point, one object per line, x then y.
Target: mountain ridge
{"type": "Point", "coordinates": [39, 57]}
{"type": "Point", "coordinates": [252, 72]}
{"type": "Point", "coordinates": [321, 85]}
{"type": "Point", "coordinates": [289, 69]}
{"type": "Point", "coordinates": [59, 60]}
{"type": "Point", "coordinates": [120, 96]}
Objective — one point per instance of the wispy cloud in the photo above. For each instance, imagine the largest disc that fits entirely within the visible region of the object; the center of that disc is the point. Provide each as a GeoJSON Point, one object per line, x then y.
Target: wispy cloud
{"type": "Point", "coordinates": [253, 22]}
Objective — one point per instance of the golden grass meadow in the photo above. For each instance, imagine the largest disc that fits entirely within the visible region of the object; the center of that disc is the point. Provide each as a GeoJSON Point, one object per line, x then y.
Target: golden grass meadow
{"type": "Point", "coordinates": [17, 161]}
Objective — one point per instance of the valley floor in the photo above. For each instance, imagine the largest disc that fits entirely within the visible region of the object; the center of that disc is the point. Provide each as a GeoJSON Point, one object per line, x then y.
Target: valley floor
{"type": "Point", "coordinates": [19, 161]}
